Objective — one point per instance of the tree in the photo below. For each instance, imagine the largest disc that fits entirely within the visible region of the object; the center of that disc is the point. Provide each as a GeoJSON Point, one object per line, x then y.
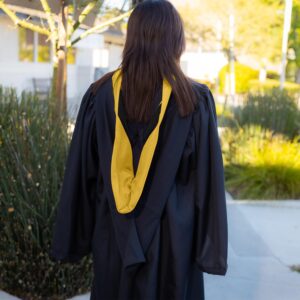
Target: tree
{"type": "Point", "coordinates": [294, 39]}
{"type": "Point", "coordinates": [258, 26]}
{"type": "Point", "coordinates": [60, 30]}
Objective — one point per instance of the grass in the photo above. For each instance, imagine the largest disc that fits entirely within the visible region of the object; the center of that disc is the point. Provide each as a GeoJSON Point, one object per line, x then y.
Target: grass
{"type": "Point", "coordinates": [295, 268]}
{"type": "Point", "coordinates": [261, 165]}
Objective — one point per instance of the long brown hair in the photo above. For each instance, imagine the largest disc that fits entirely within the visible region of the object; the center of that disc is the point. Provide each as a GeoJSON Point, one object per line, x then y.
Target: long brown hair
{"type": "Point", "coordinates": [154, 43]}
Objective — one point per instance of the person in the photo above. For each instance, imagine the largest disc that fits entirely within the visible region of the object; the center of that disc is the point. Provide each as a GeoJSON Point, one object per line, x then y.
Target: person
{"type": "Point", "coordinates": [143, 188]}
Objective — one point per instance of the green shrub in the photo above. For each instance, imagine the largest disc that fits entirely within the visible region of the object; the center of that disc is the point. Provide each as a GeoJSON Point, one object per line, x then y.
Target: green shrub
{"type": "Point", "coordinates": [273, 75]}
{"type": "Point", "coordinates": [295, 268]}
{"type": "Point", "coordinates": [32, 156]}
{"type": "Point", "coordinates": [276, 111]}
{"type": "Point", "coordinates": [225, 116]}
{"type": "Point", "coordinates": [222, 110]}
{"type": "Point", "coordinates": [269, 84]}
{"type": "Point", "coordinates": [243, 75]}
{"type": "Point", "coordinates": [261, 165]}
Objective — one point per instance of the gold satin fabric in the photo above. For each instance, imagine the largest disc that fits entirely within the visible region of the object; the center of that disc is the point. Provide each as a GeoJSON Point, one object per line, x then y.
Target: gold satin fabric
{"type": "Point", "coordinates": [126, 187]}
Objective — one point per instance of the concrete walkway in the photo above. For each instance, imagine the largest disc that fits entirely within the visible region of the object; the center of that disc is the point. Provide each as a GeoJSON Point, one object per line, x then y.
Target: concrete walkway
{"type": "Point", "coordinates": [264, 240]}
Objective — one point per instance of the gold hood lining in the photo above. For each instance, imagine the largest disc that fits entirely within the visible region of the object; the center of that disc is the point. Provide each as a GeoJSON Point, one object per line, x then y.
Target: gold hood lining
{"type": "Point", "coordinates": [126, 187]}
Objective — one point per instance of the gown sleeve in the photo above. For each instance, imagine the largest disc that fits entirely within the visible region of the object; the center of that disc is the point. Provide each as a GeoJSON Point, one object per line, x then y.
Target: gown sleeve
{"type": "Point", "coordinates": [211, 215]}
{"type": "Point", "coordinates": [74, 223]}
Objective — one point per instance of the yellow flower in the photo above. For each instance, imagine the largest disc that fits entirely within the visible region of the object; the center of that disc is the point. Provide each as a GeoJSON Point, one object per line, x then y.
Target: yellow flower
{"type": "Point", "coordinates": [10, 209]}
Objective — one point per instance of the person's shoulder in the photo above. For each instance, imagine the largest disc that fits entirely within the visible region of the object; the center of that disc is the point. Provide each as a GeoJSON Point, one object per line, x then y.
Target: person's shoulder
{"type": "Point", "coordinates": [203, 93]}
{"type": "Point", "coordinates": [101, 84]}
{"type": "Point", "coordinates": [95, 90]}
{"type": "Point", "coordinates": [199, 87]}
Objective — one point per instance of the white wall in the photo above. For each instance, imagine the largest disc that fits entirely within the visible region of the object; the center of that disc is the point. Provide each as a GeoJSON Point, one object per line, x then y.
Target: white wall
{"type": "Point", "coordinates": [8, 40]}
{"type": "Point", "coordinates": [203, 65]}
{"type": "Point", "coordinates": [18, 74]}
{"type": "Point", "coordinates": [199, 65]}
{"type": "Point", "coordinates": [115, 56]}
{"type": "Point", "coordinates": [14, 73]}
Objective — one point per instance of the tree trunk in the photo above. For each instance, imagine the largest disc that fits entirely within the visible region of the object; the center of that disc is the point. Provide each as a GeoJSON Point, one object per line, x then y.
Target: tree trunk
{"type": "Point", "coordinates": [60, 67]}
{"type": "Point", "coordinates": [60, 81]}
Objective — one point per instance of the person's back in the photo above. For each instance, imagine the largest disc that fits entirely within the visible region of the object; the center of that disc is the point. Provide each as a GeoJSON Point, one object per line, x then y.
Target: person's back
{"type": "Point", "coordinates": [143, 189]}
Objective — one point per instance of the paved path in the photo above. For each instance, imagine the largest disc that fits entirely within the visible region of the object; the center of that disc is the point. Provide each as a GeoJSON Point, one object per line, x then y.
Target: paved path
{"type": "Point", "coordinates": [264, 240]}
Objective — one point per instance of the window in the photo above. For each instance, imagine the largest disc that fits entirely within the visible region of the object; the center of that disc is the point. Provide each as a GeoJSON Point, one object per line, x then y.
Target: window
{"type": "Point", "coordinates": [26, 42]}
{"type": "Point", "coordinates": [71, 56]}
{"type": "Point", "coordinates": [35, 47]}
{"type": "Point", "coordinates": [44, 49]}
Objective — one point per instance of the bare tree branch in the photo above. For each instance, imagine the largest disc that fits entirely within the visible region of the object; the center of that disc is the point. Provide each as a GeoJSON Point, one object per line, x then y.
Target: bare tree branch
{"type": "Point", "coordinates": [89, 7]}
{"type": "Point", "coordinates": [100, 26]}
{"type": "Point", "coordinates": [50, 19]}
{"type": "Point", "coordinates": [23, 23]}
{"type": "Point", "coordinates": [123, 5]}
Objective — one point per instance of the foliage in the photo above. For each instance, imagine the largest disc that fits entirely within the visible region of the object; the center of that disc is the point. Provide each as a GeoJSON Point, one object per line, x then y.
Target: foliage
{"type": "Point", "coordinates": [225, 116]}
{"type": "Point", "coordinates": [273, 75]}
{"type": "Point", "coordinates": [221, 110]}
{"type": "Point", "coordinates": [261, 165]}
{"type": "Point", "coordinates": [33, 151]}
{"type": "Point", "coordinates": [295, 268]}
{"type": "Point", "coordinates": [269, 84]}
{"type": "Point", "coordinates": [276, 111]}
{"type": "Point", "coordinates": [243, 75]}
{"type": "Point", "coordinates": [258, 26]}
{"type": "Point", "coordinates": [294, 39]}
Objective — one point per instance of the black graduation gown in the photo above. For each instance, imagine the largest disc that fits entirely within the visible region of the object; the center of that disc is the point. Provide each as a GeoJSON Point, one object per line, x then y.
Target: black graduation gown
{"type": "Point", "coordinates": [177, 231]}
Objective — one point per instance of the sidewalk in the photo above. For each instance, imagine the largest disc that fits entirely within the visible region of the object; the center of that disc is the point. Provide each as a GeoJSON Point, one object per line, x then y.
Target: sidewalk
{"type": "Point", "coordinates": [264, 240]}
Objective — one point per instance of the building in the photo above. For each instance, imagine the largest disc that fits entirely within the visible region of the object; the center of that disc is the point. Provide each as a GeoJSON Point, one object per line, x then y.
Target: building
{"type": "Point", "coordinates": [26, 58]}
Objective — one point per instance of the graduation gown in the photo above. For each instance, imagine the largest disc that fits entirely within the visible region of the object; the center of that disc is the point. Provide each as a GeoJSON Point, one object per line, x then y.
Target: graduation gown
{"type": "Point", "coordinates": [178, 229]}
